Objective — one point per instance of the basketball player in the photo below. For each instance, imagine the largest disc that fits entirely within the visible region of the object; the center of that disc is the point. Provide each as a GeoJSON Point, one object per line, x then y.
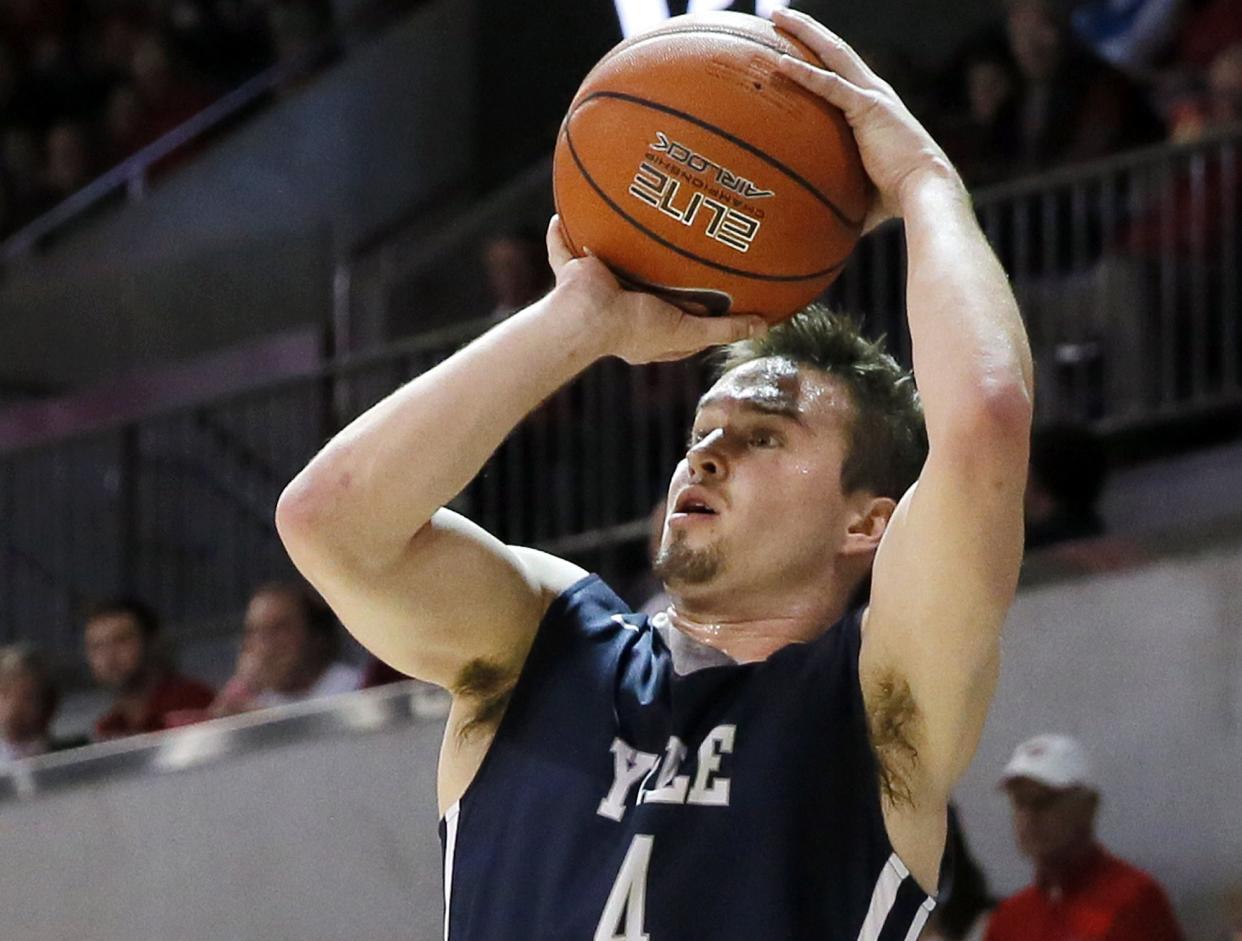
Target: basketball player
{"type": "Point", "coordinates": [761, 761]}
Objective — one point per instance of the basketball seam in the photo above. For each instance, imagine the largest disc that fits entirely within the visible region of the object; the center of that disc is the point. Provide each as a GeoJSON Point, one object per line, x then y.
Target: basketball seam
{"type": "Point", "coordinates": [731, 138]}
{"type": "Point", "coordinates": [727, 269]}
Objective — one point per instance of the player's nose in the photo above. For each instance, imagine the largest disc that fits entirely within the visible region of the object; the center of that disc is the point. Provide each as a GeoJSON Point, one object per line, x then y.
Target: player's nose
{"type": "Point", "coordinates": [707, 460]}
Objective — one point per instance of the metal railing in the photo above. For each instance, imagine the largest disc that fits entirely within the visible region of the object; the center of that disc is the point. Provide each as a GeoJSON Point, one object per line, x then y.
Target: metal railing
{"type": "Point", "coordinates": [1126, 269]}
{"type": "Point", "coordinates": [205, 743]}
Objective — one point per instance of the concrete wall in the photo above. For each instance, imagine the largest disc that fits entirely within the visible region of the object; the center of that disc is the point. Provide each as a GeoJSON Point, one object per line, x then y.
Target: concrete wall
{"type": "Point", "coordinates": [323, 840]}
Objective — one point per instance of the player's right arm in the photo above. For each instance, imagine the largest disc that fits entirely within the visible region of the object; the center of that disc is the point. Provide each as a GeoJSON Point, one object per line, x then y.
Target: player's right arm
{"type": "Point", "coordinates": [423, 588]}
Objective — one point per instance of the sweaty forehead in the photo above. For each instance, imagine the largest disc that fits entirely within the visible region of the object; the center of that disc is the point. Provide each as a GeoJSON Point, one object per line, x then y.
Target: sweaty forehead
{"type": "Point", "coordinates": [778, 385]}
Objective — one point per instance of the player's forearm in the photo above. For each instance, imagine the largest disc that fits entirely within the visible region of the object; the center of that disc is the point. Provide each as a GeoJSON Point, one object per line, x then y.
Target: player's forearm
{"type": "Point", "coordinates": [971, 356]}
{"type": "Point", "coordinates": [379, 481]}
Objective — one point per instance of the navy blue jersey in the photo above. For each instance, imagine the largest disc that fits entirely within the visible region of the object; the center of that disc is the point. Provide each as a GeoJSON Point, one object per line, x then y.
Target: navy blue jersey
{"type": "Point", "coordinates": [623, 801]}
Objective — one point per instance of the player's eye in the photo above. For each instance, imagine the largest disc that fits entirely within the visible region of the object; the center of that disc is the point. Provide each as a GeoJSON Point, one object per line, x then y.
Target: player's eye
{"type": "Point", "coordinates": [763, 438]}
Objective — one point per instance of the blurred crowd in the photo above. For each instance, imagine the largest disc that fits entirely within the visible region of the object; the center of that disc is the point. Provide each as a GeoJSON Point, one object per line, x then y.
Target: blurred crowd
{"type": "Point", "coordinates": [86, 83]}
{"type": "Point", "coordinates": [289, 652]}
{"type": "Point", "coordinates": [1054, 83]}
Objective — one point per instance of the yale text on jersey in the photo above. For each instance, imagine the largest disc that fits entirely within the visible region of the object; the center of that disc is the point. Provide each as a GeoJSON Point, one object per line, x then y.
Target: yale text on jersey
{"type": "Point", "coordinates": [659, 779]}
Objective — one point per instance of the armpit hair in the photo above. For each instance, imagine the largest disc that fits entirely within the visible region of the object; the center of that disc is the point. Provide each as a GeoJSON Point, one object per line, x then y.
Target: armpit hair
{"type": "Point", "coordinates": [490, 687]}
{"type": "Point", "coordinates": [892, 722]}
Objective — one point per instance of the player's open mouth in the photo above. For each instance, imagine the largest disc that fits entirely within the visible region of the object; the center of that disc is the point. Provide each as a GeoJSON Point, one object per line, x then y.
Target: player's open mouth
{"type": "Point", "coordinates": [697, 508]}
{"type": "Point", "coordinates": [693, 502]}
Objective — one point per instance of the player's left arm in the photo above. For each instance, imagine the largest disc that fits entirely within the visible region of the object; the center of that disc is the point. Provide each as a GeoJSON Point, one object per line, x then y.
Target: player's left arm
{"type": "Point", "coordinates": [947, 566]}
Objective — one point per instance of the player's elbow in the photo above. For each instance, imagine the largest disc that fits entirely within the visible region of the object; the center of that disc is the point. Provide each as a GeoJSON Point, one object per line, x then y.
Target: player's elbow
{"type": "Point", "coordinates": [306, 520]}
{"type": "Point", "coordinates": [994, 420]}
{"type": "Point", "coordinates": [1008, 411]}
{"type": "Point", "coordinates": [297, 523]}
{"type": "Point", "coordinates": [297, 510]}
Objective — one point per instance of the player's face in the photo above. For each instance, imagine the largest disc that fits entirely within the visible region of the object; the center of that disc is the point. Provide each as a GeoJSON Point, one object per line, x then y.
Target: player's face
{"type": "Point", "coordinates": [756, 504]}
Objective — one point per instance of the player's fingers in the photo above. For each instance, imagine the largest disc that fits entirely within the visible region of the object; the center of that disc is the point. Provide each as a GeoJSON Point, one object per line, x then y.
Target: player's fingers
{"type": "Point", "coordinates": [835, 52]}
{"type": "Point", "coordinates": [558, 250]}
{"type": "Point", "coordinates": [834, 88]}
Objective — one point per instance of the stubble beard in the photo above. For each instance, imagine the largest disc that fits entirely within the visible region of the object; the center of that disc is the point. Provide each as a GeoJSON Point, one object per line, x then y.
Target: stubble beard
{"type": "Point", "coordinates": [679, 563]}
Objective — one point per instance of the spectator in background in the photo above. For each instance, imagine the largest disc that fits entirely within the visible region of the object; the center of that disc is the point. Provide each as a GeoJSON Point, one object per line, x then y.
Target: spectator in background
{"type": "Point", "coordinates": [1224, 92]}
{"type": "Point", "coordinates": [124, 74]}
{"type": "Point", "coordinates": [1217, 105]}
{"type": "Point", "coordinates": [124, 125]}
{"type": "Point", "coordinates": [1208, 27]}
{"type": "Point", "coordinates": [1067, 475]}
{"type": "Point", "coordinates": [1187, 216]}
{"type": "Point", "coordinates": [109, 53]}
{"type": "Point", "coordinates": [168, 97]}
{"type": "Point", "coordinates": [53, 86]}
{"type": "Point", "coordinates": [69, 165]}
{"type": "Point", "coordinates": [288, 652]}
{"type": "Point", "coordinates": [516, 263]}
{"type": "Point", "coordinates": [1081, 892]}
{"type": "Point", "coordinates": [1131, 34]}
{"type": "Point", "coordinates": [1071, 106]}
{"type": "Point", "coordinates": [964, 904]}
{"type": "Point", "coordinates": [28, 701]}
{"type": "Point", "coordinates": [980, 137]}
{"type": "Point", "coordinates": [33, 23]}
{"type": "Point", "coordinates": [121, 647]}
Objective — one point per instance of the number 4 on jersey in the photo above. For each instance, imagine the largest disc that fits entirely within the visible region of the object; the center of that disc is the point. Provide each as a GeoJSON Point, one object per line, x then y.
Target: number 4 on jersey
{"type": "Point", "coordinates": [628, 899]}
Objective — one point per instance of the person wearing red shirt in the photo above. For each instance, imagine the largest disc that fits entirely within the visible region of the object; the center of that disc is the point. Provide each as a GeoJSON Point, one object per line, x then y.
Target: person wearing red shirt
{"type": "Point", "coordinates": [120, 637]}
{"type": "Point", "coordinates": [1081, 891]}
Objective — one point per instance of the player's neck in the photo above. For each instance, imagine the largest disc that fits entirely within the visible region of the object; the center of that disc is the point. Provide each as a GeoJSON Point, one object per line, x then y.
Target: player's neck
{"type": "Point", "coordinates": [755, 636]}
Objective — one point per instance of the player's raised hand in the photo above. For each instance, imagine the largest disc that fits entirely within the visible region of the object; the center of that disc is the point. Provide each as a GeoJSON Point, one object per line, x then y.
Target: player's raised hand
{"type": "Point", "coordinates": [632, 325]}
{"type": "Point", "coordinates": [896, 149]}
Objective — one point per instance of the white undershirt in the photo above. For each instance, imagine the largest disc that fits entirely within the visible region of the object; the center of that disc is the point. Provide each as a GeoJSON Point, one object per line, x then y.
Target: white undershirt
{"type": "Point", "coordinates": [689, 655]}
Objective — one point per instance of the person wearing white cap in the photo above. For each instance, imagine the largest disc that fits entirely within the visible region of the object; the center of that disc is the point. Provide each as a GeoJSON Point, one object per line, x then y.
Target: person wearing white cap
{"type": "Point", "coordinates": [1081, 892]}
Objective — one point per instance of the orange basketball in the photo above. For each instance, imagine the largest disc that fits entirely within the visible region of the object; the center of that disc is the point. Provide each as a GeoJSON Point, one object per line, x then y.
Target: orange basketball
{"type": "Point", "coordinates": [697, 171]}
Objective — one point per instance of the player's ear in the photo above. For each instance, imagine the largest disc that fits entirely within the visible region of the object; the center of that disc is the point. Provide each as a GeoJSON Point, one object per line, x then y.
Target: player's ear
{"type": "Point", "coordinates": [868, 524]}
